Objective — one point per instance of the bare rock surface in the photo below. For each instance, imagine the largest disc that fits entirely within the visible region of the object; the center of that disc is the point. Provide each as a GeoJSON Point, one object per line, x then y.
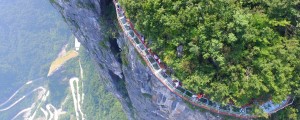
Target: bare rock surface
{"type": "Point", "coordinates": [142, 95]}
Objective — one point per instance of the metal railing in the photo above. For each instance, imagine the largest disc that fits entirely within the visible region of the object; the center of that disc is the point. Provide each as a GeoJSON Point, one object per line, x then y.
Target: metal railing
{"type": "Point", "coordinates": [167, 80]}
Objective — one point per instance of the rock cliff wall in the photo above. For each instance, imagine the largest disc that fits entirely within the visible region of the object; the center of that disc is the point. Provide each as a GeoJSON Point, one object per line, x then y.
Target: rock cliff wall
{"type": "Point", "coordinates": [143, 96]}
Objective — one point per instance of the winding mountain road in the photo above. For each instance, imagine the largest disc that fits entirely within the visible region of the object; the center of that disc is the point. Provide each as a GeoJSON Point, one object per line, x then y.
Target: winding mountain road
{"type": "Point", "coordinates": [76, 98]}
{"type": "Point", "coordinates": [18, 90]}
{"type": "Point", "coordinates": [16, 102]}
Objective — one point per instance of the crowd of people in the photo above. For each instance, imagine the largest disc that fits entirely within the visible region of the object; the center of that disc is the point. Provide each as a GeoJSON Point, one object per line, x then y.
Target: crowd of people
{"type": "Point", "coordinates": [158, 60]}
{"type": "Point", "coordinates": [177, 84]}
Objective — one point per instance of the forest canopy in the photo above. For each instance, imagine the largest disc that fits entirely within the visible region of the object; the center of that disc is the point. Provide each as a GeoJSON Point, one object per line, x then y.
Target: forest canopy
{"type": "Point", "coordinates": [233, 50]}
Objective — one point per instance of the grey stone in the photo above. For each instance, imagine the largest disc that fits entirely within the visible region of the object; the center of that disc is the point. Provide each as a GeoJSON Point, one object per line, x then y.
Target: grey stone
{"type": "Point", "coordinates": [144, 96]}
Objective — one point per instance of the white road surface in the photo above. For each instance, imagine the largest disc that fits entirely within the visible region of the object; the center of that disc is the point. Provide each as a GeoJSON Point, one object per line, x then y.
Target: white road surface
{"type": "Point", "coordinates": [4, 109]}
{"type": "Point", "coordinates": [81, 75]}
{"type": "Point", "coordinates": [22, 112]}
{"type": "Point", "coordinates": [45, 113]}
{"type": "Point", "coordinates": [18, 90]}
{"type": "Point", "coordinates": [76, 98]}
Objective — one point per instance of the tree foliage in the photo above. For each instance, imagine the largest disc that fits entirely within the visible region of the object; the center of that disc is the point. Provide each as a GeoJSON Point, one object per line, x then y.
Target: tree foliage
{"type": "Point", "coordinates": [234, 50]}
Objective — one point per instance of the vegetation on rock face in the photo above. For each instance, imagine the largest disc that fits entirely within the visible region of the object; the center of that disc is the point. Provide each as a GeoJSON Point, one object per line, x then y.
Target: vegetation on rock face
{"type": "Point", "coordinates": [234, 50]}
{"type": "Point", "coordinates": [99, 103]}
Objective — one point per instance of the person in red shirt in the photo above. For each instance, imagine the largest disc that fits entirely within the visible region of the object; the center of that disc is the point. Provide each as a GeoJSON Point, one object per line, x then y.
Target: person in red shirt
{"type": "Point", "coordinates": [199, 95]}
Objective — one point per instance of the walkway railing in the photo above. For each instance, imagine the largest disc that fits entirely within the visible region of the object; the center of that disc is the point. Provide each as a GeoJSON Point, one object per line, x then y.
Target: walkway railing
{"type": "Point", "coordinates": [230, 110]}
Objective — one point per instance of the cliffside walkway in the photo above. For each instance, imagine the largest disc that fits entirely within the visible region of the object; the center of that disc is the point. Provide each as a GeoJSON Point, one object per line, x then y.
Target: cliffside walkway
{"type": "Point", "coordinates": [137, 41]}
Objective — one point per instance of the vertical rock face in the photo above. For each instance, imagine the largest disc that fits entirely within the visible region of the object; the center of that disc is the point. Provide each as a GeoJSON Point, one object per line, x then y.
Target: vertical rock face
{"type": "Point", "coordinates": [143, 96]}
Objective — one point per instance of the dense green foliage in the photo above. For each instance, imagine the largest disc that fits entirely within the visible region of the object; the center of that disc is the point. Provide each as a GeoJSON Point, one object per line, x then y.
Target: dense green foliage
{"type": "Point", "coordinates": [234, 50]}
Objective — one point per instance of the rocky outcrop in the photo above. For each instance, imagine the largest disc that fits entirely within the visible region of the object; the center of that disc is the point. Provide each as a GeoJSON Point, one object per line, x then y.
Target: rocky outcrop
{"type": "Point", "coordinates": [143, 96]}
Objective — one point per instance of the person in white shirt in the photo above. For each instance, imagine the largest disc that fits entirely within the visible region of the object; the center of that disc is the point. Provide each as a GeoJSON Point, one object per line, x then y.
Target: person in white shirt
{"type": "Point", "coordinates": [143, 38]}
{"type": "Point", "coordinates": [155, 57]}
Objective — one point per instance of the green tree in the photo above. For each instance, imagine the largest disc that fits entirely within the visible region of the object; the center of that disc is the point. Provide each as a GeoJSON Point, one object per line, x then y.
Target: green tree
{"type": "Point", "coordinates": [234, 50]}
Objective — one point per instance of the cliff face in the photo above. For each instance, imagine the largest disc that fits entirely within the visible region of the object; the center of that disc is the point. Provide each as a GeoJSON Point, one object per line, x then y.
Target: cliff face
{"type": "Point", "coordinates": [141, 94]}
